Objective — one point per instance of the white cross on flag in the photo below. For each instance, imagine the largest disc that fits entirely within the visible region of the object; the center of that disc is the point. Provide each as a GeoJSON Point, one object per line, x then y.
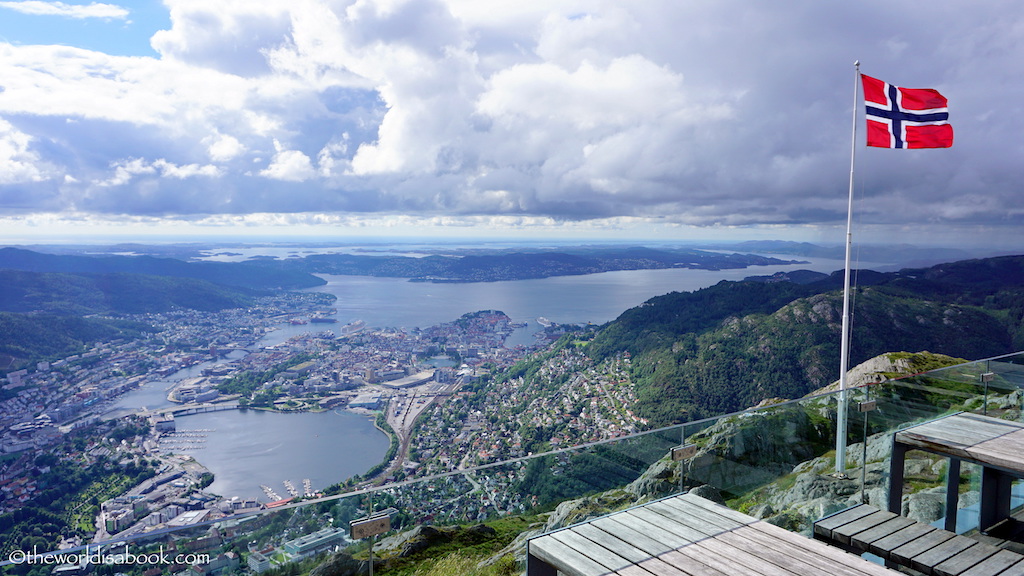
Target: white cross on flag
{"type": "Point", "coordinates": [905, 117]}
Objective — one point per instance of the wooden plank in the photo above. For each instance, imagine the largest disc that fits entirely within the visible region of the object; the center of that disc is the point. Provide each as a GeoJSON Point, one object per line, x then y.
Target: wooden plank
{"type": "Point", "coordinates": [638, 571]}
{"type": "Point", "coordinates": [918, 546]}
{"type": "Point", "coordinates": [883, 547]}
{"type": "Point", "coordinates": [827, 525]}
{"type": "Point", "coordinates": [566, 559]}
{"type": "Point", "coordinates": [940, 446]}
{"type": "Point", "coordinates": [760, 536]}
{"type": "Point", "coordinates": [842, 563]}
{"type": "Point", "coordinates": [731, 562]}
{"type": "Point", "coordinates": [656, 567]}
{"type": "Point", "coordinates": [965, 560]}
{"type": "Point", "coordinates": [703, 520]}
{"type": "Point", "coordinates": [595, 551]}
{"type": "Point", "coordinates": [928, 560]}
{"type": "Point", "coordinates": [611, 542]}
{"type": "Point", "coordinates": [710, 518]}
{"type": "Point", "coordinates": [998, 563]}
{"type": "Point", "coordinates": [974, 425]}
{"type": "Point", "coordinates": [603, 556]}
{"type": "Point", "coordinates": [682, 530]}
{"type": "Point", "coordinates": [693, 566]}
{"type": "Point", "coordinates": [785, 557]}
{"type": "Point", "coordinates": [638, 533]}
{"type": "Point", "coordinates": [708, 540]}
{"type": "Point", "coordinates": [781, 547]}
{"type": "Point", "coordinates": [863, 540]}
{"type": "Point", "coordinates": [694, 500]}
{"type": "Point", "coordinates": [844, 533]}
{"type": "Point", "coordinates": [1015, 570]}
{"type": "Point", "coordinates": [1003, 452]}
{"type": "Point", "coordinates": [995, 423]}
{"type": "Point", "coordinates": [951, 432]}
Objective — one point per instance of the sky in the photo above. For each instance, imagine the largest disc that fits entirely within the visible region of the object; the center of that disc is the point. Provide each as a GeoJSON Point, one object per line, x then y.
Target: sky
{"type": "Point", "coordinates": [675, 119]}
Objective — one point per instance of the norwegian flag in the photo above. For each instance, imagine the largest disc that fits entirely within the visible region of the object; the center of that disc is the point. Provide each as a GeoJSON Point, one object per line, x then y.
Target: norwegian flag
{"type": "Point", "coordinates": [905, 117]}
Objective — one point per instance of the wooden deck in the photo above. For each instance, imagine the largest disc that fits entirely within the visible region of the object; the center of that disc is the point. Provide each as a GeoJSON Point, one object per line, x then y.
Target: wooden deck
{"type": "Point", "coordinates": [687, 536]}
{"type": "Point", "coordinates": [924, 548]}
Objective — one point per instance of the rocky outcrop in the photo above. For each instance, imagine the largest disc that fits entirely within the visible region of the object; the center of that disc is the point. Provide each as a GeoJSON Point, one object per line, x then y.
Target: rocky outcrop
{"type": "Point", "coordinates": [423, 537]}
{"type": "Point", "coordinates": [341, 564]}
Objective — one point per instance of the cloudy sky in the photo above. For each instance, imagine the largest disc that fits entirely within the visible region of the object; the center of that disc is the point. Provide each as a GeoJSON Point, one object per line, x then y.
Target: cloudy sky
{"type": "Point", "coordinates": [648, 118]}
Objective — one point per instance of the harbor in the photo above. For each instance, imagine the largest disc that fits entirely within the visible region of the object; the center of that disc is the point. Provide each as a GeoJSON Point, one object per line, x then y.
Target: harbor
{"type": "Point", "coordinates": [247, 450]}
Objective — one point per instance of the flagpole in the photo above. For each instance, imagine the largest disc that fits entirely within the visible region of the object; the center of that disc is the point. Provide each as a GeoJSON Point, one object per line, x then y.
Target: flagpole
{"type": "Point", "coordinates": [844, 354]}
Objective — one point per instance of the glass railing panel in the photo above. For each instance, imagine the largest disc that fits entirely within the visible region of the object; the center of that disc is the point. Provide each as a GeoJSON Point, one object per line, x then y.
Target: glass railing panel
{"type": "Point", "coordinates": [773, 463]}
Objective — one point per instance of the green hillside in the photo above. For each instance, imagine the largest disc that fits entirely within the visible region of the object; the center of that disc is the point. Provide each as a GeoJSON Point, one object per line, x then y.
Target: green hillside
{"type": "Point", "coordinates": [112, 293]}
{"type": "Point", "coordinates": [26, 338]}
{"type": "Point", "coordinates": [42, 315]}
{"type": "Point", "coordinates": [729, 346]}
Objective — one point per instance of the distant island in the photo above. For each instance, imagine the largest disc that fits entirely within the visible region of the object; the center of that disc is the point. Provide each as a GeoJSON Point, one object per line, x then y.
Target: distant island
{"type": "Point", "coordinates": [522, 265]}
{"type": "Point", "coordinates": [264, 273]}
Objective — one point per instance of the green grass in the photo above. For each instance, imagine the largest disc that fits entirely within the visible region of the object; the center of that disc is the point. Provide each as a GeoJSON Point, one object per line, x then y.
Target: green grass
{"type": "Point", "coordinates": [461, 554]}
{"type": "Point", "coordinates": [464, 565]}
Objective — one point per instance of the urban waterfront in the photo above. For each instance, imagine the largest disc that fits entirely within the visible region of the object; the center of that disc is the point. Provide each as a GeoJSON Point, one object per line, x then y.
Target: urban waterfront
{"type": "Point", "coordinates": [247, 449]}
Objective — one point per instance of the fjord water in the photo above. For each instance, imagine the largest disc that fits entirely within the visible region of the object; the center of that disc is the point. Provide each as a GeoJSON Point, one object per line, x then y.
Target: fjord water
{"type": "Point", "coordinates": [597, 298]}
{"type": "Point", "coordinates": [247, 449]}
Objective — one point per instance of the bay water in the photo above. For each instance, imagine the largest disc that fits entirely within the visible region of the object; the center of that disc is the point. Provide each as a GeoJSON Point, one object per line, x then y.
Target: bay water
{"type": "Point", "coordinates": [247, 449]}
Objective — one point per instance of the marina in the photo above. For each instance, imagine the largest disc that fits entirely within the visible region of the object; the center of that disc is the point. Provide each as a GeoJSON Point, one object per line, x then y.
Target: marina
{"type": "Point", "coordinates": [273, 496]}
{"type": "Point", "coordinates": [184, 440]}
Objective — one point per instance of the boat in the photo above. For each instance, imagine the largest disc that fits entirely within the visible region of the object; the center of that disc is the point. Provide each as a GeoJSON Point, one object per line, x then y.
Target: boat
{"type": "Point", "coordinates": [353, 327]}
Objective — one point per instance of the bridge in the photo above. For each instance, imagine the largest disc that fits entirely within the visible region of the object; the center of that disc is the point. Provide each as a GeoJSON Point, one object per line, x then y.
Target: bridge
{"type": "Point", "coordinates": [189, 409]}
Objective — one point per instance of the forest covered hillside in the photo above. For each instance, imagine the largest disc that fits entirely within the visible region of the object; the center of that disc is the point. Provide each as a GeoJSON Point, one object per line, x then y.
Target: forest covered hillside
{"type": "Point", "coordinates": [727, 347]}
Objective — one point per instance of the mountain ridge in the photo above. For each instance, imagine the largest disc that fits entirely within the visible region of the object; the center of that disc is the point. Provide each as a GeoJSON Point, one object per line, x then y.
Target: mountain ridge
{"type": "Point", "coordinates": [728, 346]}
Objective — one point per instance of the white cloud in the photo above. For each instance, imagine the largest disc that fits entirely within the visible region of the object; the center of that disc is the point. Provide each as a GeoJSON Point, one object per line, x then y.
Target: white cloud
{"type": "Point", "coordinates": [18, 162]}
{"type": "Point", "coordinates": [169, 170]}
{"type": "Point", "coordinates": [231, 36]}
{"type": "Point", "coordinates": [70, 82]}
{"type": "Point", "coordinates": [562, 109]}
{"type": "Point", "coordinates": [332, 160]}
{"type": "Point", "coordinates": [289, 165]}
{"type": "Point", "coordinates": [77, 11]}
{"type": "Point", "coordinates": [126, 170]}
{"type": "Point", "coordinates": [223, 147]}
